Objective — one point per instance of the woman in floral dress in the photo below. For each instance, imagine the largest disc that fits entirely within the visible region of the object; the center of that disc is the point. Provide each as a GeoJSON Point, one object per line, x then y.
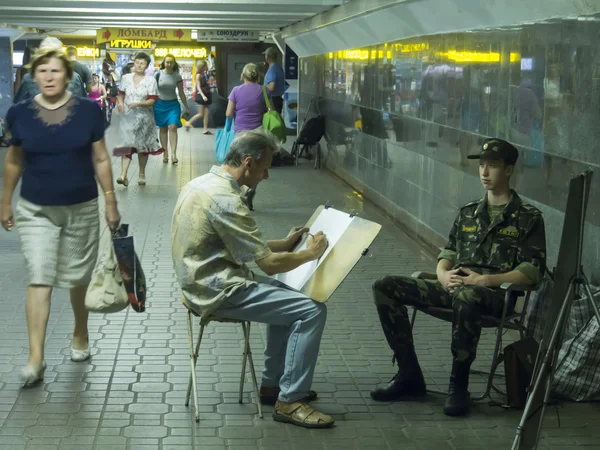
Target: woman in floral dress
{"type": "Point", "coordinates": [137, 95]}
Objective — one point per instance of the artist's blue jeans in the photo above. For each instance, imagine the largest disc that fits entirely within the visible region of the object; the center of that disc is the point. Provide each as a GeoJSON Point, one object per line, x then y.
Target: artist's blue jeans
{"type": "Point", "coordinates": [295, 326]}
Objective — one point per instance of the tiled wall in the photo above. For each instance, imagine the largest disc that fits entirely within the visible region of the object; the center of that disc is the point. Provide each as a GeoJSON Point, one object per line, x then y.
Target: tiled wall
{"type": "Point", "coordinates": [402, 116]}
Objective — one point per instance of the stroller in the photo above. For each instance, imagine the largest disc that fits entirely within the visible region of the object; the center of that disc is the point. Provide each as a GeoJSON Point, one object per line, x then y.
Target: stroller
{"type": "Point", "coordinates": [311, 133]}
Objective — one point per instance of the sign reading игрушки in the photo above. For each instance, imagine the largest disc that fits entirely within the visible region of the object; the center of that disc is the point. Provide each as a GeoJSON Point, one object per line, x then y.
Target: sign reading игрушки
{"type": "Point", "coordinates": [150, 34]}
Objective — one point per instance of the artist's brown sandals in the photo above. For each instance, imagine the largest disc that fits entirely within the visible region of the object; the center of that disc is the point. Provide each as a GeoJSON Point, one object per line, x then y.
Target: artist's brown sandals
{"type": "Point", "coordinates": [301, 414]}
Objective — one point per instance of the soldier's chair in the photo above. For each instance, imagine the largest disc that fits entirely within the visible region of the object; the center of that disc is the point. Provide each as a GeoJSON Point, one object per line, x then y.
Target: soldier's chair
{"type": "Point", "coordinates": [510, 320]}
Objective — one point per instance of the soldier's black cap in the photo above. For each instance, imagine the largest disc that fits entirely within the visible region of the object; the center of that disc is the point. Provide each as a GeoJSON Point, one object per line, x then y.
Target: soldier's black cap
{"type": "Point", "coordinates": [499, 150]}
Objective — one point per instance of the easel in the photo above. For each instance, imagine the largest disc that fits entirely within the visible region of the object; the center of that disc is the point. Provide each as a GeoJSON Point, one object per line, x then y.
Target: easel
{"type": "Point", "coordinates": [528, 435]}
{"type": "Point", "coordinates": [353, 244]}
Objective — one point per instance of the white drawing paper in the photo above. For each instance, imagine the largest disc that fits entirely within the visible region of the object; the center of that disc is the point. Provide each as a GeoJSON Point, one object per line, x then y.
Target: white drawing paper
{"type": "Point", "coordinates": [331, 222]}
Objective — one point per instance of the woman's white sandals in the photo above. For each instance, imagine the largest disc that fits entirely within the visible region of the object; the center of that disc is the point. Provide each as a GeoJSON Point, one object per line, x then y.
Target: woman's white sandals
{"type": "Point", "coordinates": [32, 374]}
{"type": "Point", "coordinates": [80, 355]}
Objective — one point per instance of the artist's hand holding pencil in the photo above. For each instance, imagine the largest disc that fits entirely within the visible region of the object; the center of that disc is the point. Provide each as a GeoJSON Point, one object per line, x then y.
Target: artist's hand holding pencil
{"type": "Point", "coordinates": [317, 243]}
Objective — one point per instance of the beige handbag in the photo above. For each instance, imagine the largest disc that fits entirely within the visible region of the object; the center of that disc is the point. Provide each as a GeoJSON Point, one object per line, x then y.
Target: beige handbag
{"type": "Point", "coordinates": [106, 292]}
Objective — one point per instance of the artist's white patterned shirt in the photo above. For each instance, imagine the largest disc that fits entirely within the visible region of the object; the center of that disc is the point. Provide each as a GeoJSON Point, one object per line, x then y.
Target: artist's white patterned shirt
{"type": "Point", "coordinates": [213, 237]}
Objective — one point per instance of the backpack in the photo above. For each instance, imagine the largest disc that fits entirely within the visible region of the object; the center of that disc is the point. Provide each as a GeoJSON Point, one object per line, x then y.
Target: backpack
{"type": "Point", "coordinates": [76, 86]}
{"type": "Point", "coordinates": [272, 120]}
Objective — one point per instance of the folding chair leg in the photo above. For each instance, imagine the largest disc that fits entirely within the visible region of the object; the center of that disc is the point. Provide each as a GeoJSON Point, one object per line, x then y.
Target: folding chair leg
{"type": "Point", "coordinates": [244, 359]}
{"type": "Point", "coordinates": [493, 367]}
{"type": "Point", "coordinates": [193, 357]}
{"type": "Point", "coordinates": [196, 352]}
{"type": "Point", "coordinates": [414, 317]}
{"type": "Point", "coordinates": [253, 372]}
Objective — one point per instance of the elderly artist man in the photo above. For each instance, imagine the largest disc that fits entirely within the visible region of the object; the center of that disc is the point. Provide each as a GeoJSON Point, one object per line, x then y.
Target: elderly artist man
{"type": "Point", "coordinates": [213, 237]}
{"type": "Point", "coordinates": [494, 240]}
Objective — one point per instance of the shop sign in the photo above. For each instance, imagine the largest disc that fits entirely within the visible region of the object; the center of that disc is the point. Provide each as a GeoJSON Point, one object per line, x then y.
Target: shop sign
{"type": "Point", "coordinates": [151, 34]}
{"type": "Point", "coordinates": [411, 48]}
{"type": "Point", "coordinates": [131, 43]}
{"type": "Point", "coordinates": [85, 52]}
{"type": "Point", "coordinates": [228, 36]}
{"type": "Point", "coordinates": [161, 52]}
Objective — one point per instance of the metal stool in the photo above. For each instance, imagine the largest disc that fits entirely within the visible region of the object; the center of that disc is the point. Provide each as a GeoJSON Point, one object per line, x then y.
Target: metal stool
{"type": "Point", "coordinates": [246, 356]}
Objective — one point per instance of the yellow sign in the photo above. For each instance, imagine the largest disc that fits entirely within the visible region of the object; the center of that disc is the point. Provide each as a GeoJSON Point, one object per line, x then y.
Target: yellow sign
{"type": "Point", "coordinates": [131, 43]}
{"type": "Point", "coordinates": [85, 52]}
{"type": "Point", "coordinates": [161, 52]}
{"type": "Point", "coordinates": [151, 34]}
{"type": "Point", "coordinates": [361, 54]}
{"type": "Point", "coordinates": [409, 48]}
{"type": "Point", "coordinates": [483, 57]}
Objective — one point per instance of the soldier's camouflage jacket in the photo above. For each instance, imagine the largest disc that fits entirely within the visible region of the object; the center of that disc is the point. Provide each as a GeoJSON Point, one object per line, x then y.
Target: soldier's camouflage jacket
{"type": "Point", "coordinates": [516, 237]}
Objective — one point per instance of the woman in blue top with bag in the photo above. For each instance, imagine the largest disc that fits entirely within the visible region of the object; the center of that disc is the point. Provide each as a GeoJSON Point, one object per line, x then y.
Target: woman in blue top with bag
{"type": "Point", "coordinates": [58, 148]}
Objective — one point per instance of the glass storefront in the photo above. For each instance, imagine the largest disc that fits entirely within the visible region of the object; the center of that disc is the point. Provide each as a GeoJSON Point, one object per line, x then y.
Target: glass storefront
{"type": "Point", "coordinates": [402, 116]}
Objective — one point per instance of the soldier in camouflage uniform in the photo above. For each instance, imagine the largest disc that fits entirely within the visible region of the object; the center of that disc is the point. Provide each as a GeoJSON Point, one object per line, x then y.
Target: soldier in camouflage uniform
{"type": "Point", "coordinates": [494, 240]}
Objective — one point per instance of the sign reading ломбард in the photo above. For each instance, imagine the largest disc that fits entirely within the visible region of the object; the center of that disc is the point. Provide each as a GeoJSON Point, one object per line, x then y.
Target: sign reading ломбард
{"type": "Point", "coordinates": [150, 34]}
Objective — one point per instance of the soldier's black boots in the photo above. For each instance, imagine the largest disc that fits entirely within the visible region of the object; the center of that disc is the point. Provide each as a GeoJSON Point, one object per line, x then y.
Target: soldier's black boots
{"type": "Point", "coordinates": [458, 401]}
{"type": "Point", "coordinates": [406, 384]}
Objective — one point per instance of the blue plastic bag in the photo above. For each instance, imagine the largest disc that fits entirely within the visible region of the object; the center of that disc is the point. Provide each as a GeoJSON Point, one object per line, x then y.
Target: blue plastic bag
{"type": "Point", "coordinates": [223, 140]}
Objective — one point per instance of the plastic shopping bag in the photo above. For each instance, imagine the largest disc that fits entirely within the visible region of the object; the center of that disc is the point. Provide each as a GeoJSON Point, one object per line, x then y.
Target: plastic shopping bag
{"type": "Point", "coordinates": [131, 269]}
{"type": "Point", "coordinates": [223, 140]}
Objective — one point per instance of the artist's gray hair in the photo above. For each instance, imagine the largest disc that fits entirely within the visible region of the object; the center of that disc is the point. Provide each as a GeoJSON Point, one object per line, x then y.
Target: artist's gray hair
{"type": "Point", "coordinates": [254, 143]}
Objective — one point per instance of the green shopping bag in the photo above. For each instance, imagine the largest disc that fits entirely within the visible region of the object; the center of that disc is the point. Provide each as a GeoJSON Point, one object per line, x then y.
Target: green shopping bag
{"type": "Point", "coordinates": [272, 120]}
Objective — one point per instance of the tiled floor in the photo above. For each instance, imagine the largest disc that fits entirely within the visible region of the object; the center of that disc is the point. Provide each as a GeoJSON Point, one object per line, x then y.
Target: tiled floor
{"type": "Point", "coordinates": [131, 394]}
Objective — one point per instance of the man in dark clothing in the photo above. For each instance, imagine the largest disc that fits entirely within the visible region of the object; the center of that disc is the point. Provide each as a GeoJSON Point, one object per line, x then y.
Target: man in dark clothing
{"type": "Point", "coordinates": [494, 240]}
{"type": "Point", "coordinates": [81, 69]}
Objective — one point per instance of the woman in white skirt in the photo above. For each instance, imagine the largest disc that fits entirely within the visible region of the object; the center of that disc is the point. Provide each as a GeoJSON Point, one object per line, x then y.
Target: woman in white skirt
{"type": "Point", "coordinates": [137, 95]}
{"type": "Point", "coordinates": [58, 148]}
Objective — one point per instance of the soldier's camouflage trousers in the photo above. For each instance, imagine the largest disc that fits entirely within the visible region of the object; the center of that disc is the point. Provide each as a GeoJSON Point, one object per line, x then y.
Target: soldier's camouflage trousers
{"type": "Point", "coordinates": [392, 295]}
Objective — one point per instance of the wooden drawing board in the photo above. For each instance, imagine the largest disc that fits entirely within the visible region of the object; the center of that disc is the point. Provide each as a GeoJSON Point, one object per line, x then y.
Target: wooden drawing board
{"type": "Point", "coordinates": [349, 238]}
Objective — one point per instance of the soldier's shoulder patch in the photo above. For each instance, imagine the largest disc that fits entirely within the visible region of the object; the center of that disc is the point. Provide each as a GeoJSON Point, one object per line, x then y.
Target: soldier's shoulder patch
{"type": "Point", "coordinates": [469, 229]}
{"type": "Point", "coordinates": [530, 208]}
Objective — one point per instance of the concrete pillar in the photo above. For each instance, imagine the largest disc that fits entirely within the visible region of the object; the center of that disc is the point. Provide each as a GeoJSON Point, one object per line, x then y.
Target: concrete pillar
{"type": "Point", "coordinates": [6, 75]}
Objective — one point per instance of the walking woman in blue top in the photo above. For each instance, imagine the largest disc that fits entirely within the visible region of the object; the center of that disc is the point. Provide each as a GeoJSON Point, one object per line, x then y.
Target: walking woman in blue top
{"type": "Point", "coordinates": [58, 148]}
{"type": "Point", "coordinates": [167, 111]}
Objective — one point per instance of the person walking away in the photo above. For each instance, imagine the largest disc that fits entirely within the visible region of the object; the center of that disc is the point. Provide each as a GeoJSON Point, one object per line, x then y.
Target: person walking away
{"type": "Point", "coordinates": [275, 78]}
{"type": "Point", "coordinates": [79, 68]}
{"type": "Point", "coordinates": [137, 95]}
{"type": "Point", "coordinates": [274, 81]}
{"type": "Point", "coordinates": [167, 110]}
{"type": "Point", "coordinates": [109, 81]}
{"type": "Point", "coordinates": [203, 97]}
{"type": "Point", "coordinates": [58, 148]}
{"type": "Point", "coordinates": [247, 105]}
